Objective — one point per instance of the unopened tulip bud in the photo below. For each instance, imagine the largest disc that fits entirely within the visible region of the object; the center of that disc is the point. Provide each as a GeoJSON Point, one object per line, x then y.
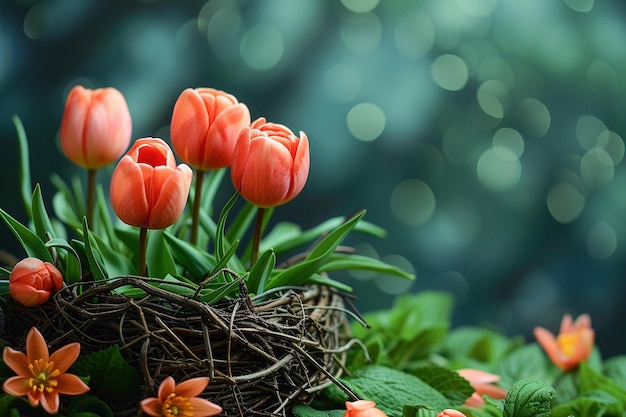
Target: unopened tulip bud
{"type": "Point", "coordinates": [33, 281]}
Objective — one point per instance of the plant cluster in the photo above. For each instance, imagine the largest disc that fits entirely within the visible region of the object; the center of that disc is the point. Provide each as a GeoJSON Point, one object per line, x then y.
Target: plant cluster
{"type": "Point", "coordinates": [169, 245]}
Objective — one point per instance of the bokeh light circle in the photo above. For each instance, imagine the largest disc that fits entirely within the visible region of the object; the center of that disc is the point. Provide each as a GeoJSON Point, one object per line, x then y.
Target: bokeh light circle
{"type": "Point", "coordinates": [565, 202]}
{"type": "Point", "coordinates": [601, 241]}
{"type": "Point", "coordinates": [450, 72]}
{"type": "Point", "coordinates": [391, 284]}
{"type": "Point", "coordinates": [414, 35]}
{"type": "Point", "coordinates": [499, 169]}
{"type": "Point", "coordinates": [361, 33]}
{"type": "Point", "coordinates": [360, 6]}
{"type": "Point", "coordinates": [366, 121]}
{"type": "Point", "coordinates": [262, 47]}
{"type": "Point", "coordinates": [508, 139]}
{"type": "Point", "coordinates": [412, 202]}
{"type": "Point", "coordinates": [342, 82]}
{"type": "Point", "coordinates": [582, 6]}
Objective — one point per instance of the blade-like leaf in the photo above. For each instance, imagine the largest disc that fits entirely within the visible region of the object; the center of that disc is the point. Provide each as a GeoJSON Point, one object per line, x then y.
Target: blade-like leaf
{"type": "Point", "coordinates": [31, 243]}
{"type": "Point", "coordinates": [220, 241]}
{"type": "Point", "coordinates": [260, 272]}
{"type": "Point", "coordinates": [159, 258]}
{"type": "Point", "coordinates": [25, 182]}
{"type": "Point", "coordinates": [315, 260]}
{"type": "Point", "coordinates": [92, 254]}
{"type": "Point", "coordinates": [40, 218]}
{"type": "Point", "coordinates": [197, 262]}
{"type": "Point", "coordinates": [344, 261]}
{"type": "Point", "coordinates": [72, 269]}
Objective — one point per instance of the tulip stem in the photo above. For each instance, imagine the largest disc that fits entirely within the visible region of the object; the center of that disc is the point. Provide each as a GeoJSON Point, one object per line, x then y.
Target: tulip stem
{"type": "Point", "coordinates": [195, 215]}
{"type": "Point", "coordinates": [256, 238]}
{"type": "Point", "coordinates": [91, 191]}
{"type": "Point", "coordinates": [141, 256]}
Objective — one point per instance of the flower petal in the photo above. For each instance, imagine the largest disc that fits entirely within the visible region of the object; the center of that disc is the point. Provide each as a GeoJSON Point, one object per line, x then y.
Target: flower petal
{"type": "Point", "coordinates": [70, 384]}
{"type": "Point", "coordinates": [168, 385]}
{"type": "Point", "coordinates": [17, 361]}
{"type": "Point", "coordinates": [36, 347]}
{"type": "Point", "coordinates": [204, 408]}
{"type": "Point", "coordinates": [191, 387]}
{"type": "Point", "coordinates": [65, 356]}
{"type": "Point", "coordinates": [152, 406]}
{"type": "Point", "coordinates": [50, 401]}
{"type": "Point", "coordinates": [16, 385]}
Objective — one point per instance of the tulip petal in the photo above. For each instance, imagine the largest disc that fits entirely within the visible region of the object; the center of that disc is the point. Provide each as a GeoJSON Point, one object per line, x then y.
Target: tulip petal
{"type": "Point", "coordinates": [189, 125]}
{"type": "Point", "coordinates": [168, 385]}
{"type": "Point", "coordinates": [128, 194]}
{"type": "Point", "coordinates": [301, 162]}
{"type": "Point", "coordinates": [222, 136]}
{"type": "Point", "coordinates": [27, 295]}
{"type": "Point", "coordinates": [170, 188]}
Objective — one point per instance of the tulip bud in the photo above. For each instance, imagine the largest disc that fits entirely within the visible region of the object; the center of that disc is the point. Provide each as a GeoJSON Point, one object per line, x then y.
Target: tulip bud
{"type": "Point", "coordinates": [32, 281]}
{"type": "Point", "coordinates": [270, 164]}
{"type": "Point", "coordinates": [362, 408]}
{"type": "Point", "coordinates": [450, 413]}
{"type": "Point", "coordinates": [147, 188]}
{"type": "Point", "coordinates": [205, 125]}
{"type": "Point", "coordinates": [96, 127]}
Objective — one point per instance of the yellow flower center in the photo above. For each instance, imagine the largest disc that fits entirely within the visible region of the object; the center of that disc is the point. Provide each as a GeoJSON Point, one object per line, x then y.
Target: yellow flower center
{"type": "Point", "coordinates": [43, 374]}
{"type": "Point", "coordinates": [175, 406]}
{"type": "Point", "coordinates": [567, 343]}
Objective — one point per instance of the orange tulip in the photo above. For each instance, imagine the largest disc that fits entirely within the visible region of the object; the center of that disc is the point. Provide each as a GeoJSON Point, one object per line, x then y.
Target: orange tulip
{"type": "Point", "coordinates": [40, 376]}
{"type": "Point", "coordinates": [180, 400]}
{"type": "Point", "coordinates": [362, 408]}
{"type": "Point", "coordinates": [270, 164]}
{"type": "Point", "coordinates": [32, 281]}
{"type": "Point", "coordinates": [147, 188]}
{"type": "Point", "coordinates": [483, 384]}
{"type": "Point", "coordinates": [205, 125]}
{"type": "Point", "coordinates": [573, 344]}
{"type": "Point", "coordinates": [96, 127]}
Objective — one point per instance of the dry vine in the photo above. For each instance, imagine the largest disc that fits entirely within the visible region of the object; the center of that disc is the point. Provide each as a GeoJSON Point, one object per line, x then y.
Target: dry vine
{"type": "Point", "coordinates": [262, 355]}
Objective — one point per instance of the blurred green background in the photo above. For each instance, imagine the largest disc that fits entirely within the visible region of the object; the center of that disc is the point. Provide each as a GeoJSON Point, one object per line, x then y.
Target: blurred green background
{"type": "Point", "coordinates": [486, 136]}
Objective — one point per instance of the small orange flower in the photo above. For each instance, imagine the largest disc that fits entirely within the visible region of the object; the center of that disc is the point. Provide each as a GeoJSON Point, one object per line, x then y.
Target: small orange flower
{"type": "Point", "coordinates": [573, 344]}
{"type": "Point", "coordinates": [42, 377]}
{"type": "Point", "coordinates": [147, 188]}
{"type": "Point", "coordinates": [96, 126]}
{"type": "Point", "coordinates": [32, 281]}
{"type": "Point", "coordinates": [450, 413]}
{"type": "Point", "coordinates": [180, 400]}
{"type": "Point", "coordinates": [270, 164]}
{"type": "Point", "coordinates": [362, 408]}
{"type": "Point", "coordinates": [483, 384]}
{"type": "Point", "coordinates": [205, 126]}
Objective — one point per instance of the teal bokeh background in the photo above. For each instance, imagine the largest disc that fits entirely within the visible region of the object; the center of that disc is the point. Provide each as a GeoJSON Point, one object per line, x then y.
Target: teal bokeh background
{"type": "Point", "coordinates": [486, 136]}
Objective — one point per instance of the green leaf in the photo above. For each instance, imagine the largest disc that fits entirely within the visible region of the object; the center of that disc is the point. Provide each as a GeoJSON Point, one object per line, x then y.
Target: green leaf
{"type": "Point", "coordinates": [41, 220]}
{"type": "Point", "coordinates": [592, 380]}
{"type": "Point", "coordinates": [197, 262]}
{"type": "Point", "coordinates": [308, 411]}
{"type": "Point", "coordinates": [524, 362]}
{"type": "Point", "coordinates": [591, 404]}
{"type": "Point", "coordinates": [529, 397]}
{"type": "Point", "coordinates": [31, 243]}
{"type": "Point", "coordinates": [260, 272]}
{"type": "Point", "coordinates": [242, 222]}
{"type": "Point", "coordinates": [93, 255]}
{"type": "Point", "coordinates": [103, 224]}
{"type": "Point", "coordinates": [220, 240]}
{"type": "Point", "coordinates": [112, 379]}
{"type": "Point", "coordinates": [315, 260]}
{"type": "Point", "coordinates": [88, 405]}
{"type": "Point", "coordinates": [392, 389]}
{"type": "Point", "coordinates": [456, 388]}
{"type": "Point", "coordinates": [326, 227]}
{"type": "Point", "coordinates": [615, 368]}
{"type": "Point", "coordinates": [418, 411]}
{"type": "Point", "coordinates": [25, 181]}
{"type": "Point", "coordinates": [468, 344]}
{"type": "Point", "coordinates": [72, 269]}
{"type": "Point", "coordinates": [347, 261]}
{"type": "Point", "coordinates": [159, 258]}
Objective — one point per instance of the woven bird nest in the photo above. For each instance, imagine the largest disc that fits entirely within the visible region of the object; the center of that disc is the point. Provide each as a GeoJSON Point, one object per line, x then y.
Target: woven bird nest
{"type": "Point", "coordinates": [262, 355]}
